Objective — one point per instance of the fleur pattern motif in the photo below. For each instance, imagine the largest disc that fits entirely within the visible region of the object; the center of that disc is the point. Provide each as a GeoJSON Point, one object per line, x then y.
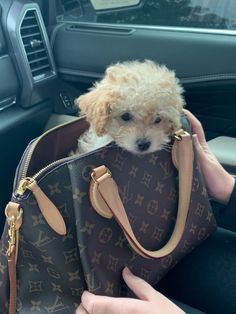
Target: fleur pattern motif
{"type": "Point", "coordinates": [53, 270]}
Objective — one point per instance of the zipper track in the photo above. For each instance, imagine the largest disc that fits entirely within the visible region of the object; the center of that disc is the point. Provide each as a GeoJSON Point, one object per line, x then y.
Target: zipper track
{"type": "Point", "coordinates": [54, 163]}
{"type": "Point", "coordinates": [32, 148]}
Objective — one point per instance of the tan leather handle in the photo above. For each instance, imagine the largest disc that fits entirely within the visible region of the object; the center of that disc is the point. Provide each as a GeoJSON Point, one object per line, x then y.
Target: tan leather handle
{"type": "Point", "coordinates": [106, 201]}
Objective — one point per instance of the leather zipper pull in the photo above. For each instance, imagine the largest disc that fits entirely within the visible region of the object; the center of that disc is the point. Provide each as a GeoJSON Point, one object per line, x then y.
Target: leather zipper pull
{"type": "Point", "coordinates": [49, 211]}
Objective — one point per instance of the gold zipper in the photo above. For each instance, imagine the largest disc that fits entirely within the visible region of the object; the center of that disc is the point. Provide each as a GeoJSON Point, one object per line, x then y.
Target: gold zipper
{"type": "Point", "coordinates": [25, 182]}
{"type": "Point", "coordinates": [28, 158]}
{"type": "Point", "coordinates": [31, 151]}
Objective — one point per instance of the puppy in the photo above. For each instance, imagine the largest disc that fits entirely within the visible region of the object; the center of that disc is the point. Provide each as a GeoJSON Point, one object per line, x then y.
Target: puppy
{"type": "Point", "coordinates": [137, 105]}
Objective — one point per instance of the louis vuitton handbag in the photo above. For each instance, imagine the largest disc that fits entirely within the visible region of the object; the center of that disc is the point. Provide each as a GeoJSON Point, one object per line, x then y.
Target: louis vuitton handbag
{"type": "Point", "coordinates": [73, 223]}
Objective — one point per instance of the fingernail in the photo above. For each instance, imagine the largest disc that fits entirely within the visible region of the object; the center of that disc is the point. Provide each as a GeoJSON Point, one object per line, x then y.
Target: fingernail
{"type": "Point", "coordinates": [86, 294]}
{"type": "Point", "coordinates": [127, 271]}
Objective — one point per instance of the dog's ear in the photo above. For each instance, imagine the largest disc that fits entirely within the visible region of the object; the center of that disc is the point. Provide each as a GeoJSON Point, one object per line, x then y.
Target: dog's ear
{"type": "Point", "coordinates": [169, 83]}
{"type": "Point", "coordinates": [96, 106]}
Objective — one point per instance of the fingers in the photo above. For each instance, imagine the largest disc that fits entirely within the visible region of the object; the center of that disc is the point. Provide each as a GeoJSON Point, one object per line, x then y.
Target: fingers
{"type": "Point", "coordinates": [197, 145]}
{"type": "Point", "coordinates": [140, 287]}
{"type": "Point", "coordinates": [152, 301]}
{"type": "Point", "coordinates": [196, 126]}
{"type": "Point", "coordinates": [94, 304]}
{"type": "Point", "coordinates": [157, 302]}
{"type": "Point", "coordinates": [81, 310]}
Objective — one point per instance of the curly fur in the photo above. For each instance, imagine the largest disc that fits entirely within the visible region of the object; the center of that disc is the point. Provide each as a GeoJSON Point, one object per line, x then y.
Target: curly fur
{"type": "Point", "coordinates": [146, 91]}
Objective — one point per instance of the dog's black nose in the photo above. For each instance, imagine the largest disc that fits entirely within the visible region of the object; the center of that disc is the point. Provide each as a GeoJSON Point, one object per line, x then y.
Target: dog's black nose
{"type": "Point", "coordinates": [143, 144]}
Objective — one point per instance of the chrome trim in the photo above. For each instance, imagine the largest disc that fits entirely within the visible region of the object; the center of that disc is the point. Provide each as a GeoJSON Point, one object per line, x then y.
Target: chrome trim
{"type": "Point", "coordinates": [4, 57]}
{"type": "Point", "coordinates": [7, 102]}
{"type": "Point", "coordinates": [87, 74]}
{"type": "Point", "coordinates": [160, 28]}
{"type": "Point", "coordinates": [208, 78]}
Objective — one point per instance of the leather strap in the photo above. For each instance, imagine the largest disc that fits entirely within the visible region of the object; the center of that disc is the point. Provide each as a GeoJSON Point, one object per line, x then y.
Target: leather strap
{"type": "Point", "coordinates": [12, 277]}
{"type": "Point", "coordinates": [106, 201]}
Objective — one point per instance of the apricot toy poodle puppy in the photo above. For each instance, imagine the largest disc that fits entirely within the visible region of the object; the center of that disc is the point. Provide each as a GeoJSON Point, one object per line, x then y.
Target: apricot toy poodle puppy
{"type": "Point", "coordinates": [137, 105]}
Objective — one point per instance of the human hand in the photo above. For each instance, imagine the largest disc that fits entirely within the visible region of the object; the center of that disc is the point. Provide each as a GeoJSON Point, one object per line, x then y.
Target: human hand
{"type": "Point", "coordinates": [219, 182]}
{"type": "Point", "coordinates": [150, 301]}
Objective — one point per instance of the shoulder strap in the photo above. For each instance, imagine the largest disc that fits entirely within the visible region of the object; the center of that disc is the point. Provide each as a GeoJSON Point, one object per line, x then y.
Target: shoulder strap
{"type": "Point", "coordinates": [106, 201]}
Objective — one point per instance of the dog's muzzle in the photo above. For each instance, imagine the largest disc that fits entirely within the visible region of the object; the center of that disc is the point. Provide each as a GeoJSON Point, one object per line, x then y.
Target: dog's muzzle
{"type": "Point", "coordinates": [143, 144]}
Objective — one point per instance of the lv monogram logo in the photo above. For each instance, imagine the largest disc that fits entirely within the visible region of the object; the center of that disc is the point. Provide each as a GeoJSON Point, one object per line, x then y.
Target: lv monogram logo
{"type": "Point", "coordinates": [35, 286]}
{"type": "Point", "coordinates": [153, 159]}
{"type": "Point", "coordinates": [152, 207]}
{"type": "Point", "coordinates": [57, 306]}
{"type": "Point", "coordinates": [35, 305]}
{"type": "Point", "coordinates": [202, 234]}
{"type": "Point", "coordinates": [105, 235]}
{"type": "Point", "coordinates": [76, 291]}
{"type": "Point", "coordinates": [125, 193]}
{"type": "Point", "coordinates": [146, 180]}
{"type": "Point", "coordinates": [38, 220]}
{"type": "Point", "coordinates": [112, 263]}
{"type": "Point", "coordinates": [53, 273]}
{"type": "Point", "coordinates": [71, 256]}
{"type": "Point", "coordinates": [139, 200]}
{"type": "Point", "coordinates": [86, 172]}
{"type": "Point", "coordinates": [166, 167]}
{"type": "Point", "coordinates": [109, 288]}
{"type": "Point", "coordinates": [42, 241]}
{"type": "Point", "coordinates": [133, 171]}
{"type": "Point", "coordinates": [119, 162]}
{"type": "Point", "coordinates": [195, 185]}
{"type": "Point", "coordinates": [2, 268]}
{"type": "Point", "coordinates": [159, 187]}
{"type": "Point", "coordinates": [93, 285]}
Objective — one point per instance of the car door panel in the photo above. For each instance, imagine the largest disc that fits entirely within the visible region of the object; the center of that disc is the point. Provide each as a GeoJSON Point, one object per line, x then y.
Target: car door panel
{"type": "Point", "coordinates": [204, 62]}
{"type": "Point", "coordinates": [8, 79]}
{"type": "Point", "coordinates": [195, 57]}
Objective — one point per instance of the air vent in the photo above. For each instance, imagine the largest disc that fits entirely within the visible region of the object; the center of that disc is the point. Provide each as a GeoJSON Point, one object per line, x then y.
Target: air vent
{"type": "Point", "coordinates": [35, 47]}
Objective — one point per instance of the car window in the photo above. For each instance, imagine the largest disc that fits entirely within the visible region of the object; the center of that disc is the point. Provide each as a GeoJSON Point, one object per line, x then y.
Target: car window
{"type": "Point", "coordinates": [213, 14]}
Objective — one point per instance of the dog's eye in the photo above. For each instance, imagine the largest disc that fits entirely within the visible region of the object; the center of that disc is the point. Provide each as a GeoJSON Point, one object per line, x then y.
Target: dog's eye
{"type": "Point", "coordinates": [126, 116]}
{"type": "Point", "coordinates": [158, 120]}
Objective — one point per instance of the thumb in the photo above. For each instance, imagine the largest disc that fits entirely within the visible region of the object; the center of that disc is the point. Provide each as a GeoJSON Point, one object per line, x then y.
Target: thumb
{"type": "Point", "coordinates": [199, 148]}
{"type": "Point", "coordinates": [140, 287]}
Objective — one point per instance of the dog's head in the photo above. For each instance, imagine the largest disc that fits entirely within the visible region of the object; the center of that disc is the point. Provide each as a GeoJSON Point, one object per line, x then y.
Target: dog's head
{"type": "Point", "coordinates": [137, 103]}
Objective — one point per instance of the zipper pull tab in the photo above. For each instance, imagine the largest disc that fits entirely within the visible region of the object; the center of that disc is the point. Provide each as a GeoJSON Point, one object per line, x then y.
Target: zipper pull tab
{"type": "Point", "coordinates": [23, 185]}
{"type": "Point", "coordinates": [12, 238]}
{"type": "Point", "coordinates": [13, 214]}
{"type": "Point", "coordinates": [51, 214]}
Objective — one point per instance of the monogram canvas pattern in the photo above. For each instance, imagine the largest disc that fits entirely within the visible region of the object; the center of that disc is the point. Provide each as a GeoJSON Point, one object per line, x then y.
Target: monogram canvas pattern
{"type": "Point", "coordinates": [53, 270]}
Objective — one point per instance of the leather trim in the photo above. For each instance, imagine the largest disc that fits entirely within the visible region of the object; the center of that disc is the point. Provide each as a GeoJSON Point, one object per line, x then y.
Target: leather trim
{"type": "Point", "coordinates": [48, 209]}
{"type": "Point", "coordinates": [12, 278]}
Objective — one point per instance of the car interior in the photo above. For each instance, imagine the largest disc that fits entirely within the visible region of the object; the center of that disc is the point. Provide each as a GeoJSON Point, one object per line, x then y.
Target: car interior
{"type": "Point", "coordinates": [51, 52]}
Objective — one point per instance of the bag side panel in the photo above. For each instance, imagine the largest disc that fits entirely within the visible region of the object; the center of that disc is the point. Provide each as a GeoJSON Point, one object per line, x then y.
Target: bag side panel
{"type": "Point", "coordinates": [49, 273]}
